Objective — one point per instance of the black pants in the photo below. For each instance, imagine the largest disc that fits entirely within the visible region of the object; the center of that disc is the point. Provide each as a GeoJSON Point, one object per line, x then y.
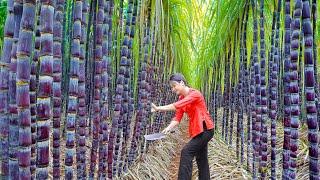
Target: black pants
{"type": "Point", "coordinates": [196, 147]}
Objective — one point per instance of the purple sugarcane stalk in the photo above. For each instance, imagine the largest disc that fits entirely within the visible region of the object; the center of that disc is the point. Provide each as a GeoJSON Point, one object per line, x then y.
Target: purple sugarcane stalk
{"type": "Point", "coordinates": [24, 51]}
{"type": "Point", "coordinates": [286, 88]}
{"type": "Point", "coordinates": [13, 118]}
{"type": "Point", "coordinates": [4, 90]}
{"type": "Point", "coordinates": [57, 91]}
{"type": "Point", "coordinates": [310, 95]}
{"type": "Point", "coordinates": [294, 88]}
{"type": "Point", "coordinates": [264, 101]}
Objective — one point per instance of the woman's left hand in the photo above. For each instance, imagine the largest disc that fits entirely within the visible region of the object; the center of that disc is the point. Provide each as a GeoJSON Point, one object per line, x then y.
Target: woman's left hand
{"type": "Point", "coordinates": [166, 130]}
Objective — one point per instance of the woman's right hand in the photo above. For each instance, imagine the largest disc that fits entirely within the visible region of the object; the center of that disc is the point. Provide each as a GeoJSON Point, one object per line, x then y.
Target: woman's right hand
{"type": "Point", "coordinates": [154, 108]}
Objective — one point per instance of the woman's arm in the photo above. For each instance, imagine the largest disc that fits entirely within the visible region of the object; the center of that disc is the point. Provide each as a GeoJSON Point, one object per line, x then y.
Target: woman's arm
{"type": "Point", "coordinates": [172, 124]}
{"type": "Point", "coordinates": [169, 107]}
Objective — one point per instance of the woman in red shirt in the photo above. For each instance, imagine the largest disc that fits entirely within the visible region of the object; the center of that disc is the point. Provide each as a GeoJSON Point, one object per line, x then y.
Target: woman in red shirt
{"type": "Point", "coordinates": [201, 126]}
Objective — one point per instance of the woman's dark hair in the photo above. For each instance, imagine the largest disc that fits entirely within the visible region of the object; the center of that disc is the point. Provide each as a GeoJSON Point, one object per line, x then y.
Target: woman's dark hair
{"type": "Point", "coordinates": [178, 77]}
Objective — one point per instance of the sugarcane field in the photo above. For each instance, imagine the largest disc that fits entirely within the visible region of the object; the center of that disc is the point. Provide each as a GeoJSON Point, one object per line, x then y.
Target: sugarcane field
{"type": "Point", "coordinates": [159, 89]}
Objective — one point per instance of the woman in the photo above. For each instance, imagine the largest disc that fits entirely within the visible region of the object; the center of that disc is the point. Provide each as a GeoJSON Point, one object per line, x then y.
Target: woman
{"type": "Point", "coordinates": [201, 127]}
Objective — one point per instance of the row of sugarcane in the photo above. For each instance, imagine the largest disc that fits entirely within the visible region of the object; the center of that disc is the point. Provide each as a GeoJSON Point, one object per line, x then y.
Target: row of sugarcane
{"type": "Point", "coordinates": [281, 87]}
{"type": "Point", "coordinates": [69, 86]}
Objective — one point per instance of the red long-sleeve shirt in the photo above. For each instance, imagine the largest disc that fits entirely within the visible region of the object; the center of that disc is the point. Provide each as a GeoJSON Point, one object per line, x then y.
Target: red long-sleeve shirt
{"type": "Point", "coordinates": [194, 105]}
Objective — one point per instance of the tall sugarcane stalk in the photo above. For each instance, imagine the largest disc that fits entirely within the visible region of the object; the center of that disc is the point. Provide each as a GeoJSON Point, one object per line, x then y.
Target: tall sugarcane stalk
{"type": "Point", "coordinates": [243, 93]}
{"type": "Point", "coordinates": [270, 58]}
{"type": "Point", "coordinates": [274, 92]}
{"type": "Point", "coordinates": [73, 90]}
{"type": "Point", "coordinates": [226, 97]}
{"type": "Point", "coordinates": [128, 106]}
{"type": "Point", "coordinates": [4, 90]}
{"type": "Point", "coordinates": [44, 102]}
{"type": "Point", "coordinates": [246, 86]}
{"type": "Point", "coordinates": [104, 98]}
{"type": "Point", "coordinates": [142, 75]}
{"type": "Point", "coordinates": [309, 67]}
{"type": "Point", "coordinates": [109, 54]}
{"type": "Point", "coordinates": [13, 118]}
{"type": "Point", "coordinates": [57, 91]}
{"type": "Point", "coordinates": [116, 121]}
{"type": "Point", "coordinates": [286, 96]}
{"type": "Point", "coordinates": [89, 66]}
{"type": "Point", "coordinates": [264, 101]}
{"type": "Point", "coordinates": [252, 105]}
{"type": "Point", "coordinates": [242, 83]}
{"type": "Point", "coordinates": [315, 53]}
{"type": "Point", "coordinates": [125, 65]}
{"type": "Point", "coordinates": [34, 79]}
{"type": "Point", "coordinates": [231, 109]}
{"type": "Point", "coordinates": [98, 33]}
{"type": "Point", "coordinates": [294, 88]}
{"type": "Point", "coordinates": [82, 108]}
{"type": "Point", "coordinates": [146, 121]}
{"type": "Point", "coordinates": [256, 126]}
{"type": "Point", "coordinates": [24, 50]}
